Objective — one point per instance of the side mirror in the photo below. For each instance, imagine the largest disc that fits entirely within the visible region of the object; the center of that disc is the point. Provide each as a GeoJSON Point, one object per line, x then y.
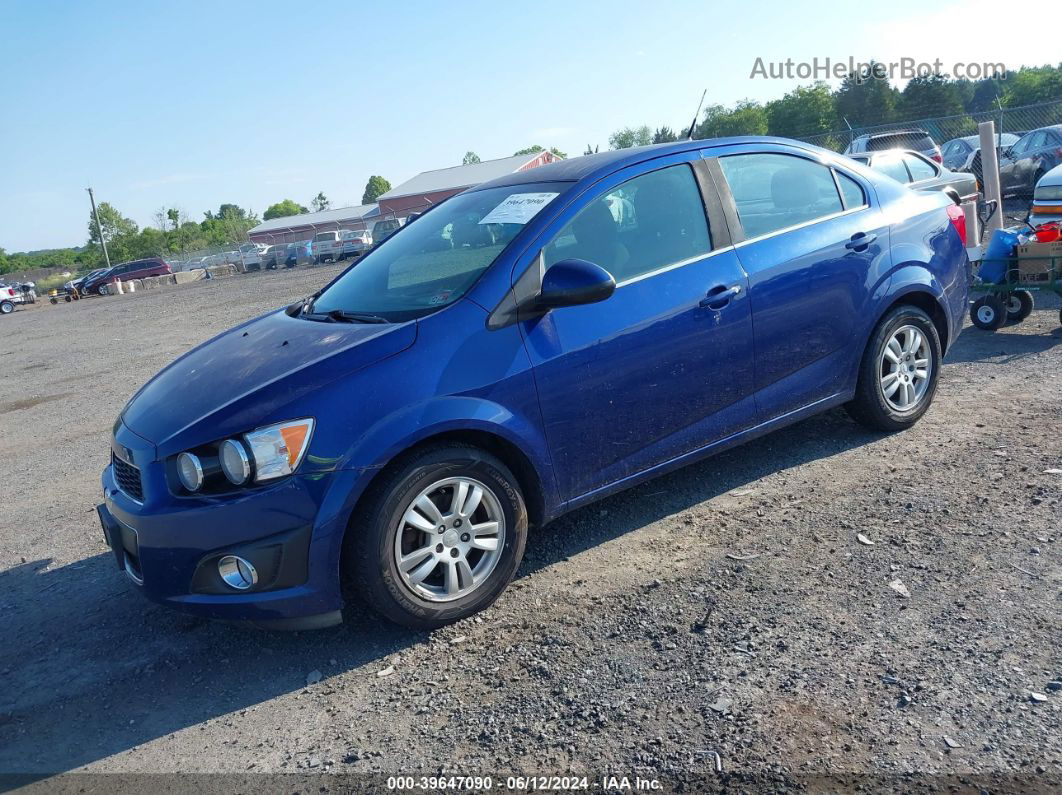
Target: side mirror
{"type": "Point", "coordinates": [572, 282]}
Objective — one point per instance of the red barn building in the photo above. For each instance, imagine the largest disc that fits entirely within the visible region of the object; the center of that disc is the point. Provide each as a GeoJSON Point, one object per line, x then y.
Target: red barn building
{"type": "Point", "coordinates": [431, 187]}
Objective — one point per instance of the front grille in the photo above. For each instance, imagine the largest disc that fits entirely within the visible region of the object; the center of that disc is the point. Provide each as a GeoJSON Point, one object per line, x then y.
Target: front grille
{"type": "Point", "coordinates": [128, 477]}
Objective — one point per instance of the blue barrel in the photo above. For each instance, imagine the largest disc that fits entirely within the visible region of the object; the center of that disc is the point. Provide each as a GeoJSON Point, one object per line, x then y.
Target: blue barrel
{"type": "Point", "coordinates": [997, 257]}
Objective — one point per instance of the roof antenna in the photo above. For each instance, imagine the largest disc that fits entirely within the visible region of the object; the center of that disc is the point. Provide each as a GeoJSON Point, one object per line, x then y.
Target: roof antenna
{"type": "Point", "coordinates": [696, 115]}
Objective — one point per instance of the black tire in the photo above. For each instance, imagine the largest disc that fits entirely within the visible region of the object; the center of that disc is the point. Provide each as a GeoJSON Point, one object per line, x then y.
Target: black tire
{"type": "Point", "coordinates": [6, 307]}
{"type": "Point", "coordinates": [870, 407]}
{"type": "Point", "coordinates": [1019, 306]}
{"type": "Point", "coordinates": [369, 564]}
{"type": "Point", "coordinates": [988, 312]}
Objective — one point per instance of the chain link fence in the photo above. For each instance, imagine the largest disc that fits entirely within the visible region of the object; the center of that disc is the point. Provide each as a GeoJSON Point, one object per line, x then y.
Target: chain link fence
{"type": "Point", "coordinates": [1010, 122]}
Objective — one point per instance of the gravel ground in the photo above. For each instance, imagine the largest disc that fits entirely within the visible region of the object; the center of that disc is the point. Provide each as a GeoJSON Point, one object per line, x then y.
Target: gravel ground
{"type": "Point", "coordinates": [727, 616]}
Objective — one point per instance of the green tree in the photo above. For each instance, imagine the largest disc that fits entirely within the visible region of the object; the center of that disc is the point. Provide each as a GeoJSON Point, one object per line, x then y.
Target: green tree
{"type": "Point", "coordinates": [320, 202]}
{"type": "Point", "coordinates": [631, 136]}
{"type": "Point", "coordinates": [283, 210]}
{"type": "Point", "coordinates": [174, 217]}
{"type": "Point", "coordinates": [664, 135]}
{"type": "Point", "coordinates": [746, 118]}
{"type": "Point", "coordinates": [470, 158]}
{"type": "Point", "coordinates": [986, 94]}
{"type": "Point", "coordinates": [804, 111]}
{"type": "Point", "coordinates": [591, 150]}
{"type": "Point", "coordinates": [1030, 85]}
{"type": "Point", "coordinates": [375, 188]}
{"type": "Point", "coordinates": [926, 97]}
{"type": "Point", "coordinates": [864, 100]}
{"type": "Point", "coordinates": [229, 225]}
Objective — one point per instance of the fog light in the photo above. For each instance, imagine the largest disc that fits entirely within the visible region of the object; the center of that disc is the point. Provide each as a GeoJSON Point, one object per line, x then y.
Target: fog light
{"type": "Point", "coordinates": [237, 572]}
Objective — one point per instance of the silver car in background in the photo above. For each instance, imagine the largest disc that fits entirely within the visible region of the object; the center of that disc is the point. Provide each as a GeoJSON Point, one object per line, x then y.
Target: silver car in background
{"type": "Point", "coordinates": [918, 172]}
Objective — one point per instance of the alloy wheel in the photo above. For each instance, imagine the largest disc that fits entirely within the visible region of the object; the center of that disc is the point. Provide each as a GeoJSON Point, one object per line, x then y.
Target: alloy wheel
{"type": "Point", "coordinates": [449, 539]}
{"type": "Point", "coordinates": [905, 367]}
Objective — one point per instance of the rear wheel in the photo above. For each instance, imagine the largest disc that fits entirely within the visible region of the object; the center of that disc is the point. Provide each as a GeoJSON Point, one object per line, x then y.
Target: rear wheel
{"type": "Point", "coordinates": [988, 312]}
{"type": "Point", "coordinates": [439, 538]}
{"type": "Point", "coordinates": [1019, 306]}
{"type": "Point", "coordinates": [899, 372]}
{"type": "Point", "coordinates": [6, 307]}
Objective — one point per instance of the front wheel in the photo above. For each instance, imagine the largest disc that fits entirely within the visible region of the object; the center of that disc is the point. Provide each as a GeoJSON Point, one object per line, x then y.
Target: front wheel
{"type": "Point", "coordinates": [439, 538]}
{"type": "Point", "coordinates": [1019, 306]}
{"type": "Point", "coordinates": [899, 371]}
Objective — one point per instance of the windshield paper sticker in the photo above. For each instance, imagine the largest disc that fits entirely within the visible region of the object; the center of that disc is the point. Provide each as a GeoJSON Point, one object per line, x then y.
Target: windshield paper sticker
{"type": "Point", "coordinates": [519, 208]}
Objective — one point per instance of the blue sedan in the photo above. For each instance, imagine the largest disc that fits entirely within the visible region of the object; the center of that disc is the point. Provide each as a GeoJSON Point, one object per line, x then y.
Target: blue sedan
{"type": "Point", "coordinates": [524, 348]}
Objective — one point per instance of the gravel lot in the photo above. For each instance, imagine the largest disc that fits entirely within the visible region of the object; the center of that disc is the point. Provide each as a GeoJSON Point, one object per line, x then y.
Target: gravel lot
{"type": "Point", "coordinates": [729, 609]}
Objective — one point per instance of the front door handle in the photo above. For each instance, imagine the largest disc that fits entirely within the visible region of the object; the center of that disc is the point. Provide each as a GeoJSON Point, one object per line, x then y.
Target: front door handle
{"type": "Point", "coordinates": [718, 297]}
{"type": "Point", "coordinates": [860, 241]}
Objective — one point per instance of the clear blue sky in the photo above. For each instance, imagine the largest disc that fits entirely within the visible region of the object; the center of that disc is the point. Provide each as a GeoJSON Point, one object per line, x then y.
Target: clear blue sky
{"type": "Point", "coordinates": [191, 104]}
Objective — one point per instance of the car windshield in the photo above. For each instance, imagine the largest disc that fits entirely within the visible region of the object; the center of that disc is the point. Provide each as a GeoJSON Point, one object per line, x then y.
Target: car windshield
{"type": "Point", "coordinates": [436, 259]}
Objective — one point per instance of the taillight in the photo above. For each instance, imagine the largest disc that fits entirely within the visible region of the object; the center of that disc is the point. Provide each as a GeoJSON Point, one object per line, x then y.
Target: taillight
{"type": "Point", "coordinates": [936, 156]}
{"type": "Point", "coordinates": [958, 220]}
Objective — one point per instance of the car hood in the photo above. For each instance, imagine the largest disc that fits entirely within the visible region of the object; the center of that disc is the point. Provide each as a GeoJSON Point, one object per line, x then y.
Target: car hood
{"type": "Point", "coordinates": [245, 377]}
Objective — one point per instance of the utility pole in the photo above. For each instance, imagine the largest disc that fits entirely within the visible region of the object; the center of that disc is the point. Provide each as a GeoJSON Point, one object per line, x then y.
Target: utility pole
{"type": "Point", "coordinates": [99, 229]}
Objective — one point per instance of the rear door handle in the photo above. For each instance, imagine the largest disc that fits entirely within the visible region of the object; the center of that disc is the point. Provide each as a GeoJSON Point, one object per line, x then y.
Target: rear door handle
{"type": "Point", "coordinates": [718, 297]}
{"type": "Point", "coordinates": [860, 241]}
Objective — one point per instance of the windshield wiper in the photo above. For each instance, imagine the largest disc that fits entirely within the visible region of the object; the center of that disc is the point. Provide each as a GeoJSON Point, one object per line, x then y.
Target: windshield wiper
{"type": "Point", "coordinates": [343, 316]}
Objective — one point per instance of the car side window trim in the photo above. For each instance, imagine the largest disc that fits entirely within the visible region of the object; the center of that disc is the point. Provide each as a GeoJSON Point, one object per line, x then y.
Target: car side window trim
{"type": "Point", "coordinates": [794, 227]}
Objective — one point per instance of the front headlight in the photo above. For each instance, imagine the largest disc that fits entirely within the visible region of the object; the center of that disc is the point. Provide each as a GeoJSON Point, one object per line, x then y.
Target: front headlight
{"type": "Point", "coordinates": [278, 449]}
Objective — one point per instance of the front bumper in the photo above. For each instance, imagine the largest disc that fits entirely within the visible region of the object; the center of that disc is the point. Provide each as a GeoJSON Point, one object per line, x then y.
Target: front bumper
{"type": "Point", "coordinates": [169, 546]}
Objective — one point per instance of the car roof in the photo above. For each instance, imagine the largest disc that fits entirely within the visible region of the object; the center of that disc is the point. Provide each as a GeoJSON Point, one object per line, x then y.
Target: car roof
{"type": "Point", "coordinates": [599, 164]}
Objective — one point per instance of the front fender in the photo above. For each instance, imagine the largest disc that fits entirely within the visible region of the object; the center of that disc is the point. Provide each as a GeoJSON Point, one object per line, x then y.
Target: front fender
{"type": "Point", "coordinates": [412, 425]}
{"type": "Point", "coordinates": [398, 432]}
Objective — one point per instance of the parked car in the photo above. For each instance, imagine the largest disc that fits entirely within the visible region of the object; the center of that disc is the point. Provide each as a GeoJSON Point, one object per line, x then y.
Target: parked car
{"type": "Point", "coordinates": [516, 354]}
{"type": "Point", "coordinates": [917, 140]}
{"type": "Point", "coordinates": [76, 283]}
{"type": "Point", "coordinates": [270, 254]}
{"type": "Point", "coordinates": [326, 247]}
{"type": "Point", "coordinates": [382, 230]}
{"type": "Point", "coordinates": [964, 154]}
{"type": "Point", "coordinates": [137, 269]}
{"type": "Point", "coordinates": [298, 253]}
{"type": "Point", "coordinates": [8, 298]}
{"type": "Point", "coordinates": [919, 172]}
{"type": "Point", "coordinates": [248, 255]}
{"type": "Point", "coordinates": [1047, 198]}
{"type": "Point", "coordinates": [1022, 165]}
{"type": "Point", "coordinates": [354, 243]}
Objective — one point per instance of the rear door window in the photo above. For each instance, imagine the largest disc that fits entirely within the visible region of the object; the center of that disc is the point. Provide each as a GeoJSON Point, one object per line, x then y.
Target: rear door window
{"type": "Point", "coordinates": [775, 191]}
{"type": "Point", "coordinates": [892, 165]}
{"type": "Point", "coordinates": [919, 168]}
